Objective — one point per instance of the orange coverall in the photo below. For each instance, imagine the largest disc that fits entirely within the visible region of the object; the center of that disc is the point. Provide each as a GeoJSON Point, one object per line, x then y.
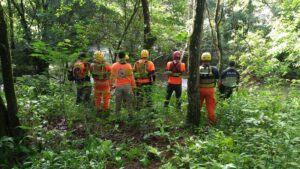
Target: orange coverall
{"type": "Point", "coordinates": [207, 91]}
{"type": "Point", "coordinates": [101, 75]}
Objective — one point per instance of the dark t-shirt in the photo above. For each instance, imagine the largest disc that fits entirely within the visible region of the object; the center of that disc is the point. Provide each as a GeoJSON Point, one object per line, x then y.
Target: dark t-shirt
{"type": "Point", "coordinates": [230, 72]}
{"type": "Point", "coordinates": [215, 71]}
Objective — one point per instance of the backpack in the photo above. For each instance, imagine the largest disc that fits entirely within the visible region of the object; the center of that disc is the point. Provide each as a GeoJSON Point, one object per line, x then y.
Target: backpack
{"type": "Point", "coordinates": [175, 69]}
{"type": "Point", "coordinates": [141, 70]}
{"type": "Point", "coordinates": [80, 71]}
{"type": "Point", "coordinates": [207, 78]}
{"type": "Point", "coordinates": [99, 71]}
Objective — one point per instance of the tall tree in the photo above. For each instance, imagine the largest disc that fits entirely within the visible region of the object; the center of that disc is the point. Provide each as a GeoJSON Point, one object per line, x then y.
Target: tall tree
{"type": "Point", "coordinates": [8, 113]}
{"type": "Point", "coordinates": [11, 24]}
{"type": "Point", "coordinates": [215, 31]}
{"type": "Point", "coordinates": [149, 39]}
{"type": "Point", "coordinates": [126, 28]}
{"type": "Point", "coordinates": [193, 115]}
{"type": "Point", "coordinates": [218, 19]}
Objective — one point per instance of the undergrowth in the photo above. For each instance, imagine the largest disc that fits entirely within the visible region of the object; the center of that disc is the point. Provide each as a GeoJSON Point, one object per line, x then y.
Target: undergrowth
{"type": "Point", "coordinates": [256, 128]}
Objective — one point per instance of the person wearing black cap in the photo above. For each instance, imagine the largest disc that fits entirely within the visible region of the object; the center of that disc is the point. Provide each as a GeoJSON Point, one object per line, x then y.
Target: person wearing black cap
{"type": "Point", "coordinates": [229, 80]}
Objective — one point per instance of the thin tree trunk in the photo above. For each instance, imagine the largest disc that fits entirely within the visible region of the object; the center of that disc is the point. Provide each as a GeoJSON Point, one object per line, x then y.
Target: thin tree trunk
{"type": "Point", "coordinates": [218, 19]}
{"type": "Point", "coordinates": [3, 119]}
{"type": "Point", "coordinates": [193, 115]}
{"type": "Point", "coordinates": [12, 109]}
{"type": "Point", "coordinates": [212, 31]}
{"type": "Point", "coordinates": [40, 65]}
{"type": "Point", "coordinates": [21, 11]}
{"type": "Point", "coordinates": [149, 39]}
{"type": "Point", "coordinates": [127, 26]}
{"type": "Point", "coordinates": [11, 25]}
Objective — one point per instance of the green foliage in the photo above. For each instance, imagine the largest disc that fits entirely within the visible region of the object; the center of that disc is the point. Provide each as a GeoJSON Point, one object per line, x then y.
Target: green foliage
{"type": "Point", "coordinates": [257, 127]}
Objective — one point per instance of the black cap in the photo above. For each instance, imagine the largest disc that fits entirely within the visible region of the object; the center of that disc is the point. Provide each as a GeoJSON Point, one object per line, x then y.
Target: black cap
{"type": "Point", "coordinates": [82, 55]}
{"type": "Point", "coordinates": [231, 63]}
{"type": "Point", "coordinates": [121, 55]}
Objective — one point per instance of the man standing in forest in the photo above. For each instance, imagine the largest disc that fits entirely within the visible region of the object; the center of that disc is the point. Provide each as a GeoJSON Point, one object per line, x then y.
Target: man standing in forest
{"type": "Point", "coordinates": [144, 74]}
{"type": "Point", "coordinates": [174, 69]}
{"type": "Point", "coordinates": [82, 79]}
{"type": "Point", "coordinates": [229, 80]}
{"type": "Point", "coordinates": [100, 71]}
{"type": "Point", "coordinates": [122, 76]}
{"type": "Point", "coordinates": [207, 82]}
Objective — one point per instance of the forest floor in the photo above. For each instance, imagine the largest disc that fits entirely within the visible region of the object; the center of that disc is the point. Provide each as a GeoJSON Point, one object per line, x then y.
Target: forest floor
{"type": "Point", "coordinates": [258, 127]}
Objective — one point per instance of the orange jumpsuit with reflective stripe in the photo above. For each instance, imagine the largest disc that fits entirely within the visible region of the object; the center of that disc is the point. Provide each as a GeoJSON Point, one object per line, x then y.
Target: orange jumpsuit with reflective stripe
{"type": "Point", "coordinates": [101, 75]}
{"type": "Point", "coordinates": [207, 82]}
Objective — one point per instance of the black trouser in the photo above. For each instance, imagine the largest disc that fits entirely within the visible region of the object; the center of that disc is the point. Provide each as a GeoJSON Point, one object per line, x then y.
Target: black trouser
{"type": "Point", "coordinates": [83, 92]}
{"type": "Point", "coordinates": [178, 91]}
{"type": "Point", "coordinates": [143, 92]}
{"type": "Point", "coordinates": [225, 91]}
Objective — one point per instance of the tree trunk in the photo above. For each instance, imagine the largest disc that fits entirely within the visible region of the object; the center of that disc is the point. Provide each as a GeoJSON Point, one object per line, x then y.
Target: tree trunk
{"type": "Point", "coordinates": [218, 19]}
{"type": "Point", "coordinates": [12, 109]}
{"type": "Point", "coordinates": [11, 25]}
{"type": "Point", "coordinates": [127, 26]}
{"type": "Point", "coordinates": [193, 115]}
{"type": "Point", "coordinates": [212, 30]}
{"type": "Point", "coordinates": [215, 32]}
{"type": "Point", "coordinates": [149, 39]}
{"type": "Point", "coordinates": [3, 119]}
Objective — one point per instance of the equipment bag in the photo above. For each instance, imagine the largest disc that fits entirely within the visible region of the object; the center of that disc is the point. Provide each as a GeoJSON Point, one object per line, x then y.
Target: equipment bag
{"type": "Point", "coordinates": [141, 70]}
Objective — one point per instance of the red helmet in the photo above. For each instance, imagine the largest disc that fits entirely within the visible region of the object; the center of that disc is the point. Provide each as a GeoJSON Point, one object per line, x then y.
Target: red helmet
{"type": "Point", "coordinates": [176, 55]}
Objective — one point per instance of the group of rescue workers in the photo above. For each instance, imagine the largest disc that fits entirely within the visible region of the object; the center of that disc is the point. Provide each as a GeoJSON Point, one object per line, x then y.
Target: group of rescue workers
{"type": "Point", "coordinates": [135, 82]}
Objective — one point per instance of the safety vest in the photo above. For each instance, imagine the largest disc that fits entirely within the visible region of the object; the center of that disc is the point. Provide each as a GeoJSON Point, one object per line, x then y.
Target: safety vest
{"type": "Point", "coordinates": [99, 71]}
{"type": "Point", "coordinates": [207, 78]}
{"type": "Point", "coordinates": [80, 71]}
{"type": "Point", "coordinates": [141, 70]}
{"type": "Point", "coordinates": [175, 69]}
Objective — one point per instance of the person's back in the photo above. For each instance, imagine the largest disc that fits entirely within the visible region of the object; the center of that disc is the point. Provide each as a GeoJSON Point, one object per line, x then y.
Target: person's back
{"type": "Point", "coordinates": [80, 71]}
{"type": "Point", "coordinates": [100, 71]}
{"type": "Point", "coordinates": [122, 77]}
{"type": "Point", "coordinates": [208, 76]}
{"type": "Point", "coordinates": [122, 72]}
{"type": "Point", "coordinates": [229, 80]}
{"type": "Point", "coordinates": [174, 69]}
{"type": "Point", "coordinates": [144, 74]}
{"type": "Point", "coordinates": [207, 82]}
{"type": "Point", "coordinates": [82, 78]}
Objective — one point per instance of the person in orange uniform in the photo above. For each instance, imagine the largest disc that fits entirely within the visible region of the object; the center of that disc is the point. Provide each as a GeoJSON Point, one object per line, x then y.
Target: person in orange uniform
{"type": "Point", "coordinates": [207, 82]}
{"type": "Point", "coordinates": [174, 69]}
{"type": "Point", "coordinates": [144, 74]}
{"type": "Point", "coordinates": [100, 71]}
{"type": "Point", "coordinates": [82, 79]}
{"type": "Point", "coordinates": [122, 77]}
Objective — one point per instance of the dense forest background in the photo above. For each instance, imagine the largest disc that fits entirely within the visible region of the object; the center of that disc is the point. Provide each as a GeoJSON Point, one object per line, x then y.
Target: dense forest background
{"type": "Point", "coordinates": [258, 127]}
